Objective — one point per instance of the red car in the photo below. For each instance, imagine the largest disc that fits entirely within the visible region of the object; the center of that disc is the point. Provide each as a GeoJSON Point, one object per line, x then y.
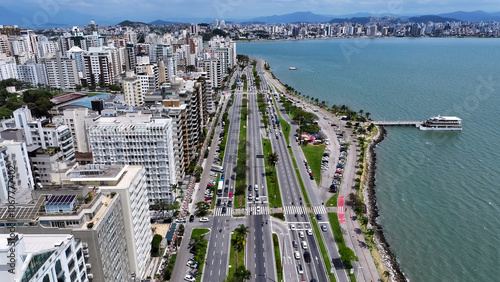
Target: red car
{"type": "Point", "coordinates": [339, 172]}
{"type": "Point", "coordinates": [230, 194]}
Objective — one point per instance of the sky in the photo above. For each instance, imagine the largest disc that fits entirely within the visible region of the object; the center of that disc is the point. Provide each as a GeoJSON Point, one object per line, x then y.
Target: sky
{"type": "Point", "coordinates": [240, 9]}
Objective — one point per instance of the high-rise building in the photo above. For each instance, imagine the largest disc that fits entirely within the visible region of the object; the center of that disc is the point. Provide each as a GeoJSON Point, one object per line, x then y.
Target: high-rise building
{"type": "Point", "coordinates": [129, 183]}
{"type": "Point", "coordinates": [98, 67]}
{"type": "Point", "coordinates": [105, 209]}
{"type": "Point", "coordinates": [78, 120]}
{"type": "Point", "coordinates": [16, 176]}
{"type": "Point", "coordinates": [32, 73]}
{"type": "Point", "coordinates": [42, 257]}
{"type": "Point", "coordinates": [62, 73]}
{"type": "Point", "coordinates": [137, 139]}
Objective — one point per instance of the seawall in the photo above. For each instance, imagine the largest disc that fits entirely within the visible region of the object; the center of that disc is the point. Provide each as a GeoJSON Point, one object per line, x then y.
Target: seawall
{"type": "Point", "coordinates": [383, 246]}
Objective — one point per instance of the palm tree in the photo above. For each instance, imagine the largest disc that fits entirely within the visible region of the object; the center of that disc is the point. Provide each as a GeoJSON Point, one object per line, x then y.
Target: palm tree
{"type": "Point", "coordinates": [242, 230]}
{"type": "Point", "coordinates": [367, 115]}
{"type": "Point", "coordinates": [361, 112]}
{"type": "Point", "coordinates": [272, 159]}
{"type": "Point", "coordinates": [242, 273]}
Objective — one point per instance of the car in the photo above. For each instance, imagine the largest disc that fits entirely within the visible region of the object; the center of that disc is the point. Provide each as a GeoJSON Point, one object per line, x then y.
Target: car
{"type": "Point", "coordinates": [190, 263]}
{"type": "Point", "coordinates": [295, 244]}
{"type": "Point", "coordinates": [304, 245]}
{"type": "Point", "coordinates": [189, 278]}
{"type": "Point", "coordinates": [258, 209]}
{"type": "Point", "coordinates": [292, 226]}
{"type": "Point", "coordinates": [230, 203]}
{"type": "Point", "coordinates": [300, 270]}
{"type": "Point", "coordinates": [224, 210]}
{"type": "Point", "coordinates": [309, 232]}
{"type": "Point", "coordinates": [219, 202]}
{"type": "Point", "coordinates": [227, 181]}
{"type": "Point", "coordinates": [226, 189]}
{"type": "Point", "coordinates": [256, 197]}
{"type": "Point", "coordinates": [296, 254]}
{"type": "Point", "coordinates": [180, 220]}
{"type": "Point", "coordinates": [191, 218]}
{"type": "Point", "coordinates": [301, 234]}
{"type": "Point", "coordinates": [256, 188]}
{"type": "Point", "coordinates": [204, 219]}
{"type": "Point", "coordinates": [230, 194]}
{"type": "Point", "coordinates": [307, 257]}
{"type": "Point", "coordinates": [250, 188]}
{"type": "Point", "coordinates": [319, 217]}
{"type": "Point", "coordinates": [250, 196]}
{"type": "Point", "coordinates": [323, 227]}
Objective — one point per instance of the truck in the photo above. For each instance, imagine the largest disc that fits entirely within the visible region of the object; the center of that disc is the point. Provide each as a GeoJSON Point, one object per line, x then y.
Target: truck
{"type": "Point", "coordinates": [217, 168]}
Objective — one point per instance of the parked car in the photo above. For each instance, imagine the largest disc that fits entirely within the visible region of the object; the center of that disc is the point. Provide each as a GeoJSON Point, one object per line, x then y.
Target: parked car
{"type": "Point", "coordinates": [189, 278]}
{"type": "Point", "coordinates": [204, 219]}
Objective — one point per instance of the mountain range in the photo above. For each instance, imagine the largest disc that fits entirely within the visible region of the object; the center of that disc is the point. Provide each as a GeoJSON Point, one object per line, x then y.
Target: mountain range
{"type": "Point", "coordinates": [67, 18]}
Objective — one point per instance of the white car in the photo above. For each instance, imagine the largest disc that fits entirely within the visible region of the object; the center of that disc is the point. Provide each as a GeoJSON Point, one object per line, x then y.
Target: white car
{"type": "Point", "coordinates": [189, 278]}
{"type": "Point", "coordinates": [309, 232]}
{"type": "Point", "coordinates": [204, 219]}
{"type": "Point", "coordinates": [301, 234]}
{"type": "Point", "coordinates": [292, 226]}
{"type": "Point", "coordinates": [296, 254]}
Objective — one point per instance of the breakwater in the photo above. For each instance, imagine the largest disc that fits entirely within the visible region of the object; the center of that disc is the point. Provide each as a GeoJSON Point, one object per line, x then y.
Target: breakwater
{"type": "Point", "coordinates": [382, 244]}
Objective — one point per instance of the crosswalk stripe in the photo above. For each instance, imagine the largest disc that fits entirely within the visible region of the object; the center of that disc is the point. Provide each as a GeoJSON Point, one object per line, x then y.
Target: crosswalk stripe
{"type": "Point", "coordinates": [319, 209]}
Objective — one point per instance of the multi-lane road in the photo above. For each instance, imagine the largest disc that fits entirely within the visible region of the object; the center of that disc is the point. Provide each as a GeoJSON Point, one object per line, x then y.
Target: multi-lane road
{"type": "Point", "coordinates": [295, 236]}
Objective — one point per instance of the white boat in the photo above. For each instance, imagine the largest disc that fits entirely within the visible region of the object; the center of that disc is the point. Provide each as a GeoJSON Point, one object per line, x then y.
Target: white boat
{"type": "Point", "coordinates": [293, 68]}
{"type": "Point", "coordinates": [442, 123]}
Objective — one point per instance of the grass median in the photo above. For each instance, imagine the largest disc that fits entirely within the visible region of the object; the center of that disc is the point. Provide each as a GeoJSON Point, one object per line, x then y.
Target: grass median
{"type": "Point", "coordinates": [235, 261]}
{"type": "Point", "coordinates": [322, 247]}
{"type": "Point", "coordinates": [277, 257]}
{"type": "Point", "coordinates": [241, 165]}
{"type": "Point", "coordinates": [346, 254]}
{"type": "Point", "coordinates": [271, 180]}
{"type": "Point", "coordinates": [332, 202]}
{"type": "Point", "coordinates": [301, 183]}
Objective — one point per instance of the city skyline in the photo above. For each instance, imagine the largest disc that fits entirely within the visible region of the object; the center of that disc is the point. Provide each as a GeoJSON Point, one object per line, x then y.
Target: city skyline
{"type": "Point", "coordinates": [32, 11]}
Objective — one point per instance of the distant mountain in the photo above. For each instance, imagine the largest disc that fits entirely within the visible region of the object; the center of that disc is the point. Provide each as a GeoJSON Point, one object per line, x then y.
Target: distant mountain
{"type": "Point", "coordinates": [431, 18]}
{"type": "Point", "coordinates": [294, 18]}
{"type": "Point", "coordinates": [475, 16]}
{"type": "Point", "coordinates": [131, 23]}
{"type": "Point", "coordinates": [360, 20]}
{"type": "Point", "coordinates": [161, 22]}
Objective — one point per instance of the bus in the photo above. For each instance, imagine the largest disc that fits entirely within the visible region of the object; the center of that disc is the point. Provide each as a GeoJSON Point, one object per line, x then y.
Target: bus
{"type": "Point", "coordinates": [220, 186]}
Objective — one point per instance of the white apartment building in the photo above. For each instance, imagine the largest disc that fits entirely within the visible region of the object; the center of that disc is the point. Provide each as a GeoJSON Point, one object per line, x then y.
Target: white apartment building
{"type": "Point", "coordinates": [32, 73]}
{"type": "Point", "coordinates": [15, 172]}
{"type": "Point", "coordinates": [8, 70]}
{"type": "Point", "coordinates": [62, 73]}
{"type": "Point", "coordinates": [213, 68]}
{"type": "Point", "coordinates": [41, 132]}
{"type": "Point", "coordinates": [137, 139]}
{"type": "Point", "coordinates": [78, 120]}
{"type": "Point", "coordinates": [129, 182]}
{"type": "Point", "coordinates": [42, 257]}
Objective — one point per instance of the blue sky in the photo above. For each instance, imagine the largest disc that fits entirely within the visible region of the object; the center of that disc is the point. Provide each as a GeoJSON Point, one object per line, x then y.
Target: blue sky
{"type": "Point", "coordinates": [242, 9]}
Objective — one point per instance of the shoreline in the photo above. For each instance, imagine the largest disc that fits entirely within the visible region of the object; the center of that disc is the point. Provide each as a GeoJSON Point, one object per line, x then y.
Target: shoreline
{"type": "Point", "coordinates": [388, 257]}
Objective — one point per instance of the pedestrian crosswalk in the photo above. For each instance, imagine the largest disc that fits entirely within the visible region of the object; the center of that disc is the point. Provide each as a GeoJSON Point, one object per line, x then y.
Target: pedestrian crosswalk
{"type": "Point", "coordinates": [218, 211]}
{"type": "Point", "coordinates": [319, 209]}
{"type": "Point", "coordinates": [256, 211]}
{"type": "Point", "coordinates": [295, 210]}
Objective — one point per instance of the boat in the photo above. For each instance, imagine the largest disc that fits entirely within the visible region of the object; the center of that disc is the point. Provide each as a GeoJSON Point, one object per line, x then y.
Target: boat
{"type": "Point", "coordinates": [293, 68]}
{"type": "Point", "coordinates": [442, 123]}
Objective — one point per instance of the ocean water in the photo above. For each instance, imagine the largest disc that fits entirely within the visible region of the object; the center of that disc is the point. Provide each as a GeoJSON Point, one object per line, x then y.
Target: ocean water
{"type": "Point", "coordinates": [438, 192]}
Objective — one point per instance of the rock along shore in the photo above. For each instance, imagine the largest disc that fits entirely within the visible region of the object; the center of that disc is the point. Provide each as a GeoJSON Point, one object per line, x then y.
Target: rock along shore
{"type": "Point", "coordinates": [372, 211]}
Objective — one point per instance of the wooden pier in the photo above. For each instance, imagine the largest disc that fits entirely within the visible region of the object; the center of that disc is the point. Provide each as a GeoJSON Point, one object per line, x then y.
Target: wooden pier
{"type": "Point", "coordinates": [397, 123]}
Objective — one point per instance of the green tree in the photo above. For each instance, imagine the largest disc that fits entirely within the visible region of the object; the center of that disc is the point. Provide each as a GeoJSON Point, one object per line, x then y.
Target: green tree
{"type": "Point", "coordinates": [202, 208]}
{"type": "Point", "coordinates": [242, 273]}
{"type": "Point", "coordinates": [240, 189]}
{"type": "Point", "coordinates": [114, 88]}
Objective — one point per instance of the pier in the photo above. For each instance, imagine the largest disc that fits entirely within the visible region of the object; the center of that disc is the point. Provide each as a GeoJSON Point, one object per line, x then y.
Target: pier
{"type": "Point", "coordinates": [397, 123]}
